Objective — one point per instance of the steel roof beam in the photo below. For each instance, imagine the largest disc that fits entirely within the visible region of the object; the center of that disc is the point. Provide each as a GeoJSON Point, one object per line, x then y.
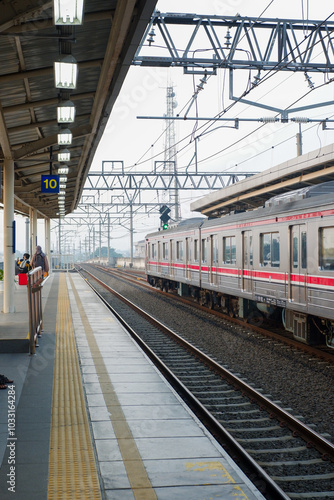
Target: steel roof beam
{"type": "Point", "coordinates": [45, 102]}
{"type": "Point", "coordinates": [39, 25]}
{"type": "Point", "coordinates": [271, 44]}
{"type": "Point", "coordinates": [49, 141]}
{"type": "Point", "coordinates": [42, 72]}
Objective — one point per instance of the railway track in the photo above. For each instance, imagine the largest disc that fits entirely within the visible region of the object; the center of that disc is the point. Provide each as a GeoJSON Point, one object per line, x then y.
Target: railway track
{"type": "Point", "coordinates": [287, 457]}
{"type": "Point", "coordinates": [139, 279]}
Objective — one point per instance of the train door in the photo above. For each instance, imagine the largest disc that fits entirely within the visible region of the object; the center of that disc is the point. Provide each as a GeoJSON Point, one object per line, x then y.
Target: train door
{"type": "Point", "coordinates": [159, 257]}
{"type": "Point", "coordinates": [188, 259]}
{"type": "Point", "coordinates": [298, 264]}
{"type": "Point", "coordinates": [214, 259]}
{"type": "Point", "coordinates": [171, 257]}
{"type": "Point", "coordinates": [247, 261]}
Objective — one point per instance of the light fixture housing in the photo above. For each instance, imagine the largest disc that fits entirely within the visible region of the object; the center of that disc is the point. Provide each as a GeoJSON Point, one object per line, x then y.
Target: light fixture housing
{"type": "Point", "coordinates": [64, 155]}
{"type": "Point", "coordinates": [62, 191]}
{"type": "Point", "coordinates": [66, 72]}
{"type": "Point", "coordinates": [68, 12]}
{"type": "Point", "coordinates": [62, 186]}
{"type": "Point", "coordinates": [64, 137]}
{"type": "Point", "coordinates": [63, 169]}
{"type": "Point", "coordinates": [63, 178]}
{"type": "Point", "coordinates": [66, 112]}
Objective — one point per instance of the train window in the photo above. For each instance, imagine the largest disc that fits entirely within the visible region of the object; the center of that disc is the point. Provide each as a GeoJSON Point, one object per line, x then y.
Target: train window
{"type": "Point", "coordinates": [196, 250]}
{"type": "Point", "coordinates": [188, 249]}
{"type": "Point", "coordinates": [214, 249]}
{"type": "Point", "coordinates": [179, 250]}
{"type": "Point", "coordinates": [229, 250]}
{"type": "Point", "coordinates": [295, 250]}
{"type": "Point", "coordinates": [203, 250]}
{"type": "Point", "coordinates": [248, 248]}
{"type": "Point", "coordinates": [303, 250]}
{"type": "Point", "coordinates": [153, 250]}
{"type": "Point", "coordinates": [165, 251]}
{"type": "Point", "coordinates": [326, 250]}
{"type": "Point", "coordinates": [269, 249]}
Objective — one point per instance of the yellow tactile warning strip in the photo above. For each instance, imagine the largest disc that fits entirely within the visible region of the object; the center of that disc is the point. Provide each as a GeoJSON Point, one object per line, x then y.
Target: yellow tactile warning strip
{"type": "Point", "coordinates": [141, 486]}
{"type": "Point", "coordinates": [72, 467]}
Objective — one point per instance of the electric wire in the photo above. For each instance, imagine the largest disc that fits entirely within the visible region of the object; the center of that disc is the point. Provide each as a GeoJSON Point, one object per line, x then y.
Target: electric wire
{"type": "Point", "coordinates": [220, 114]}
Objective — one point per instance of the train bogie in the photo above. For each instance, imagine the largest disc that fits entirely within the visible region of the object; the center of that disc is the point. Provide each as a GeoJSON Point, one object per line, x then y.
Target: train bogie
{"type": "Point", "coordinates": [276, 258]}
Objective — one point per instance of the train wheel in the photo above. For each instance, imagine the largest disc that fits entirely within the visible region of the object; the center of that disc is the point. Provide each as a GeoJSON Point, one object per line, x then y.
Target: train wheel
{"type": "Point", "coordinates": [209, 300]}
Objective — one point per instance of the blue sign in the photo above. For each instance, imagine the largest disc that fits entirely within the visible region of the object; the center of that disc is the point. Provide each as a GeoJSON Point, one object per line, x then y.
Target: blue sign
{"type": "Point", "coordinates": [50, 183]}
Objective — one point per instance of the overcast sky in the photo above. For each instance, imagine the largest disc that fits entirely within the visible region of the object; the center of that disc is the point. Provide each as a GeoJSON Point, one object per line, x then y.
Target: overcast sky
{"type": "Point", "coordinates": [138, 143]}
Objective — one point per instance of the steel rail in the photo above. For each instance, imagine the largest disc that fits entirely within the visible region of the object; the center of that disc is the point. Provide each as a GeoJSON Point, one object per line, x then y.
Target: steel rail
{"type": "Point", "coordinates": [312, 438]}
{"type": "Point", "coordinates": [313, 351]}
{"type": "Point", "coordinates": [217, 430]}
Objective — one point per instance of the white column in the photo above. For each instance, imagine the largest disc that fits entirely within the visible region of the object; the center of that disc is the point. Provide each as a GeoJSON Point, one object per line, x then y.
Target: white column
{"type": "Point", "coordinates": [47, 240]}
{"type": "Point", "coordinates": [31, 249]}
{"type": "Point", "coordinates": [34, 230]}
{"type": "Point", "coordinates": [8, 219]}
{"type": "Point", "coordinates": [27, 245]}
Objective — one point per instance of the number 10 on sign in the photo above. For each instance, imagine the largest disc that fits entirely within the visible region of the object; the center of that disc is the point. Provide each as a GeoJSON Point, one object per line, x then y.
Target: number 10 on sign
{"type": "Point", "coordinates": [50, 183]}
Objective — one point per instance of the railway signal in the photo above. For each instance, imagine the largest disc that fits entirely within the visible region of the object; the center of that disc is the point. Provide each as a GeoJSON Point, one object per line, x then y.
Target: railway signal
{"type": "Point", "coordinates": [164, 217]}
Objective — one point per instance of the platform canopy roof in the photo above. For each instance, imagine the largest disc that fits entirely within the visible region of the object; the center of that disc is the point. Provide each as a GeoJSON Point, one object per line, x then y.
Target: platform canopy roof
{"type": "Point", "coordinates": [305, 170]}
{"type": "Point", "coordinates": [30, 42]}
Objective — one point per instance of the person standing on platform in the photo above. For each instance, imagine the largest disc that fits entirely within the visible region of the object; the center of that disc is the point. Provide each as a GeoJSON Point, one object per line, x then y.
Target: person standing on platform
{"type": "Point", "coordinates": [39, 259]}
{"type": "Point", "coordinates": [24, 264]}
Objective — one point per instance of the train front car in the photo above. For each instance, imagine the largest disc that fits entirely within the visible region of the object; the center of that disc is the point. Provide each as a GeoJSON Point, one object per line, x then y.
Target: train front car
{"type": "Point", "coordinates": [275, 261]}
{"type": "Point", "coordinates": [172, 257]}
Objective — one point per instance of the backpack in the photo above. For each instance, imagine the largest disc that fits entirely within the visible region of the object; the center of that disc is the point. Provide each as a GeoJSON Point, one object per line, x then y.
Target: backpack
{"type": "Point", "coordinates": [39, 261]}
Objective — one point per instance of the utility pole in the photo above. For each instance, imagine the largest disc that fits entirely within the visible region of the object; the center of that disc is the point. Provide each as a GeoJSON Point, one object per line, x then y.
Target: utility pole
{"type": "Point", "coordinates": [170, 159]}
{"type": "Point", "coordinates": [131, 233]}
{"type": "Point", "coordinates": [108, 246]}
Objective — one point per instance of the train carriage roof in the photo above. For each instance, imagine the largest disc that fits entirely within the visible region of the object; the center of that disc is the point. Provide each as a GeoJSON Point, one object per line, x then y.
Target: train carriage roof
{"type": "Point", "coordinates": [303, 171]}
{"type": "Point", "coordinates": [304, 199]}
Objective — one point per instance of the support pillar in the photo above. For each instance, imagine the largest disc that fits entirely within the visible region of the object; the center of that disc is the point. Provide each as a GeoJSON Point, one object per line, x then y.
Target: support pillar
{"type": "Point", "coordinates": [27, 244]}
{"type": "Point", "coordinates": [47, 230]}
{"type": "Point", "coordinates": [33, 229]}
{"type": "Point", "coordinates": [8, 219]}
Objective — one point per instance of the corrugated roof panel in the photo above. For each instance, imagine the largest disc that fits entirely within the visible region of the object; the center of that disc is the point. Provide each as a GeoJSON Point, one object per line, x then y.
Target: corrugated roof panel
{"type": "Point", "coordinates": [27, 55]}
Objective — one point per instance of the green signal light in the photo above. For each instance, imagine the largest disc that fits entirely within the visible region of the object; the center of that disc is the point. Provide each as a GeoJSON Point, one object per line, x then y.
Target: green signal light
{"type": "Point", "coordinates": [165, 226]}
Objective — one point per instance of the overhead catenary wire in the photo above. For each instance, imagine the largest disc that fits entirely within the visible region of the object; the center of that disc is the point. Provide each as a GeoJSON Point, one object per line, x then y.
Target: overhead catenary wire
{"type": "Point", "coordinates": [220, 114]}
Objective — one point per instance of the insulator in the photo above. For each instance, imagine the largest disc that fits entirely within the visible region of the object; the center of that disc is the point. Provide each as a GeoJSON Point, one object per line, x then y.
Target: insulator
{"type": "Point", "coordinates": [228, 38]}
{"type": "Point", "coordinates": [269, 119]}
{"type": "Point", "coordinates": [300, 119]}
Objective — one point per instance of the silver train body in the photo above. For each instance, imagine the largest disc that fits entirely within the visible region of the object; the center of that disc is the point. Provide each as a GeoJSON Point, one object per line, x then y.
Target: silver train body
{"type": "Point", "coordinates": [277, 260]}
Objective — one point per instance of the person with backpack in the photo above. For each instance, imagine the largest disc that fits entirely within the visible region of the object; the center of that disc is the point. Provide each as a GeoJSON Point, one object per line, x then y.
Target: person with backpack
{"type": "Point", "coordinates": [39, 259]}
{"type": "Point", "coordinates": [24, 264]}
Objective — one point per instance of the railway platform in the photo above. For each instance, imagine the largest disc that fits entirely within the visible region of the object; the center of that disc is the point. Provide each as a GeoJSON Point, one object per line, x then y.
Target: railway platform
{"type": "Point", "coordinates": [89, 416]}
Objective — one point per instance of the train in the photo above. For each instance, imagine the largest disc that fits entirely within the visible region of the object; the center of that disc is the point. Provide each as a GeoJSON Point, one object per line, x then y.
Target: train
{"type": "Point", "coordinates": [275, 261]}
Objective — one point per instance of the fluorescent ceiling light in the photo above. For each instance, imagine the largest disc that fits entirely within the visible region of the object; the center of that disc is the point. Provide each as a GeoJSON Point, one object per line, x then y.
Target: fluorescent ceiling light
{"type": "Point", "coordinates": [64, 137]}
{"type": "Point", "coordinates": [68, 11]}
{"type": "Point", "coordinates": [66, 112]}
{"type": "Point", "coordinates": [64, 155]}
{"type": "Point", "coordinates": [66, 72]}
{"type": "Point", "coordinates": [63, 170]}
{"type": "Point", "coordinates": [62, 178]}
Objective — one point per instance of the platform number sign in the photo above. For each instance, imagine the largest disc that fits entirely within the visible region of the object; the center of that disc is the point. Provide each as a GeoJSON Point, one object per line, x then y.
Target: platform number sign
{"type": "Point", "coordinates": [50, 183]}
